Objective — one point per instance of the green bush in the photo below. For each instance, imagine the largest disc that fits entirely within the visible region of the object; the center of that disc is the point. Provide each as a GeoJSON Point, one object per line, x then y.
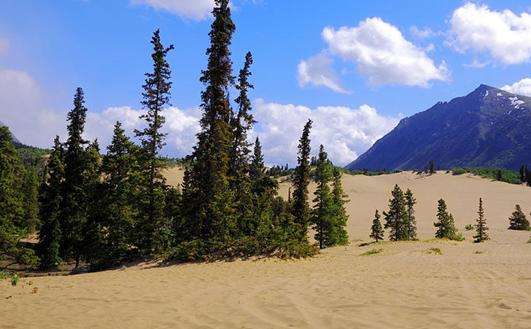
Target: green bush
{"type": "Point", "coordinates": [469, 227]}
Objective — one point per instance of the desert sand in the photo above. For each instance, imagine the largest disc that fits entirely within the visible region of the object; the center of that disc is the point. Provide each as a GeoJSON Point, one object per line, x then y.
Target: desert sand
{"type": "Point", "coordinates": [469, 285]}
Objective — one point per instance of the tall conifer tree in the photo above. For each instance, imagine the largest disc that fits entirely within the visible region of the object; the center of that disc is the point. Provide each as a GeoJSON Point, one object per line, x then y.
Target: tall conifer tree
{"type": "Point", "coordinates": [155, 95]}
{"type": "Point", "coordinates": [339, 234]}
{"type": "Point", "coordinates": [411, 222]}
{"type": "Point", "coordinates": [518, 220]}
{"type": "Point", "coordinates": [74, 207]}
{"type": "Point", "coordinates": [301, 179]}
{"type": "Point", "coordinates": [212, 209]}
{"type": "Point", "coordinates": [377, 232]}
{"type": "Point", "coordinates": [445, 222]}
{"type": "Point", "coordinates": [31, 198]}
{"type": "Point", "coordinates": [395, 218]}
{"type": "Point", "coordinates": [322, 214]}
{"type": "Point", "coordinates": [50, 198]}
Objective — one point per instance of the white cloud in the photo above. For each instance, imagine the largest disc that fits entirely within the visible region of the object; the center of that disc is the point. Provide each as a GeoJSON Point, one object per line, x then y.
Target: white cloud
{"type": "Point", "coordinates": [193, 9]}
{"type": "Point", "coordinates": [22, 111]}
{"type": "Point", "coordinates": [345, 132]}
{"type": "Point", "coordinates": [522, 87]}
{"type": "Point", "coordinates": [383, 54]}
{"type": "Point", "coordinates": [318, 71]}
{"type": "Point", "coordinates": [476, 64]}
{"type": "Point", "coordinates": [505, 35]}
{"type": "Point", "coordinates": [421, 33]}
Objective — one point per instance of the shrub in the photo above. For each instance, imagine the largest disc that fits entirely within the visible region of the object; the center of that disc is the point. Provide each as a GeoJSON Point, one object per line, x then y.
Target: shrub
{"type": "Point", "coordinates": [372, 252]}
{"type": "Point", "coordinates": [14, 279]}
{"type": "Point", "coordinates": [434, 251]}
{"type": "Point", "coordinates": [469, 227]}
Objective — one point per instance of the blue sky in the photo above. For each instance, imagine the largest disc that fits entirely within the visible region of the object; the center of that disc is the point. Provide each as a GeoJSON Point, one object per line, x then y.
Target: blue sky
{"type": "Point", "coordinates": [47, 48]}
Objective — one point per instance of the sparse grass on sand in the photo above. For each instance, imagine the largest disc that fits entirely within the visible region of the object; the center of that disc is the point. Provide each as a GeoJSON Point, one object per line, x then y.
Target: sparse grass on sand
{"type": "Point", "coordinates": [372, 252]}
{"type": "Point", "coordinates": [434, 251]}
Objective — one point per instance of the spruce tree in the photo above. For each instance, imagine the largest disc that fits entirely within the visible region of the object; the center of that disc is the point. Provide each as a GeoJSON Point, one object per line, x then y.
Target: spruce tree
{"type": "Point", "coordinates": [377, 232]}
{"type": "Point", "coordinates": [74, 207]}
{"type": "Point", "coordinates": [240, 150]}
{"type": "Point", "coordinates": [322, 214]}
{"type": "Point", "coordinates": [12, 224]}
{"type": "Point", "coordinates": [31, 198]}
{"type": "Point", "coordinates": [50, 200]}
{"type": "Point", "coordinates": [301, 179]}
{"type": "Point", "coordinates": [522, 172]}
{"type": "Point", "coordinates": [120, 189]}
{"type": "Point", "coordinates": [481, 225]}
{"type": "Point", "coordinates": [410, 222]}
{"type": "Point", "coordinates": [445, 222]}
{"type": "Point", "coordinates": [155, 95]}
{"type": "Point", "coordinates": [518, 220]}
{"type": "Point", "coordinates": [395, 218]}
{"type": "Point", "coordinates": [212, 206]}
{"type": "Point", "coordinates": [339, 234]}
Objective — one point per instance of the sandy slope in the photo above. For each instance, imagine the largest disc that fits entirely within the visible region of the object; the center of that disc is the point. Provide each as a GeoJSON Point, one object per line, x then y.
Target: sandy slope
{"type": "Point", "coordinates": [468, 286]}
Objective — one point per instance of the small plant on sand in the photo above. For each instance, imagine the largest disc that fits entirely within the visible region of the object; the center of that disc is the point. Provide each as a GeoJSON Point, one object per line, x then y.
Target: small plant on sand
{"type": "Point", "coordinates": [14, 279]}
{"type": "Point", "coordinates": [434, 251]}
{"type": "Point", "coordinates": [481, 226]}
{"type": "Point", "coordinates": [372, 252]}
{"type": "Point", "coordinates": [478, 252]}
{"type": "Point", "coordinates": [469, 227]}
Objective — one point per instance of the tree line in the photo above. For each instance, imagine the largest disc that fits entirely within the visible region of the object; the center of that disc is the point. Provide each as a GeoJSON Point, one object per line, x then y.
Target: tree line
{"type": "Point", "coordinates": [104, 209]}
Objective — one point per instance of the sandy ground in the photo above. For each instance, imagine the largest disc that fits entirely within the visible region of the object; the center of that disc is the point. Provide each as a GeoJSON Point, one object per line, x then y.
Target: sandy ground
{"type": "Point", "coordinates": [405, 286]}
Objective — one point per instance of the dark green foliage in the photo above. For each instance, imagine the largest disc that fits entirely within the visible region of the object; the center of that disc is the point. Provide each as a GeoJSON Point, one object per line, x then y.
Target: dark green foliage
{"type": "Point", "coordinates": [211, 207]}
{"type": "Point", "coordinates": [410, 222]}
{"type": "Point", "coordinates": [12, 215]}
{"type": "Point", "coordinates": [503, 175]}
{"type": "Point", "coordinates": [31, 195]}
{"type": "Point", "coordinates": [301, 180]}
{"type": "Point", "coordinates": [396, 216]}
{"type": "Point", "coordinates": [518, 220]}
{"type": "Point", "coordinates": [154, 97]}
{"type": "Point", "coordinates": [523, 173]}
{"type": "Point", "coordinates": [50, 201]}
{"type": "Point", "coordinates": [322, 213]}
{"type": "Point", "coordinates": [481, 225]}
{"type": "Point", "coordinates": [339, 235]}
{"type": "Point", "coordinates": [74, 207]}
{"type": "Point", "coordinates": [377, 232]}
{"type": "Point", "coordinates": [445, 223]}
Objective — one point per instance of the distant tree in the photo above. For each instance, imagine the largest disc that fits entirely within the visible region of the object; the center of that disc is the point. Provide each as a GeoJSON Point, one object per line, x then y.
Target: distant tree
{"type": "Point", "coordinates": [528, 176]}
{"type": "Point", "coordinates": [445, 222]}
{"type": "Point", "coordinates": [481, 225]}
{"type": "Point", "coordinates": [322, 213]}
{"type": "Point", "coordinates": [518, 220]}
{"type": "Point", "coordinates": [31, 198]}
{"type": "Point", "coordinates": [431, 167]}
{"type": "Point", "coordinates": [395, 218]}
{"type": "Point", "coordinates": [155, 96]}
{"type": "Point", "coordinates": [499, 175]}
{"type": "Point", "coordinates": [523, 171]}
{"type": "Point", "coordinates": [410, 222]}
{"type": "Point", "coordinates": [377, 232]}
{"type": "Point", "coordinates": [339, 235]}
{"type": "Point", "coordinates": [301, 180]}
{"type": "Point", "coordinates": [50, 200]}
{"type": "Point", "coordinates": [212, 206]}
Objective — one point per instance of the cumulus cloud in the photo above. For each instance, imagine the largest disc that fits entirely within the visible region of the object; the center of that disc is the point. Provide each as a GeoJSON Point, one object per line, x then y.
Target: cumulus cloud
{"type": "Point", "coordinates": [345, 132]}
{"type": "Point", "coordinates": [22, 111]}
{"type": "Point", "coordinates": [421, 33]}
{"type": "Point", "coordinates": [192, 9]}
{"type": "Point", "coordinates": [505, 35]}
{"type": "Point", "coordinates": [522, 87]}
{"type": "Point", "coordinates": [318, 71]}
{"type": "Point", "coordinates": [383, 55]}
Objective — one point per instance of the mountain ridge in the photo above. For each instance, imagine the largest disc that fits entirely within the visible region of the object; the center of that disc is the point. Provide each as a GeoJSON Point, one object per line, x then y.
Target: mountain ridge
{"type": "Point", "coordinates": [488, 127]}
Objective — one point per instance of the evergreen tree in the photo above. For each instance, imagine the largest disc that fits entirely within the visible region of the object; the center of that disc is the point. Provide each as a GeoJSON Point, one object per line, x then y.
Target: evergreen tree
{"type": "Point", "coordinates": [74, 207]}
{"type": "Point", "coordinates": [410, 222]}
{"type": "Point", "coordinates": [240, 150]}
{"type": "Point", "coordinates": [518, 220]}
{"type": "Point", "coordinates": [155, 96]}
{"type": "Point", "coordinates": [528, 176]}
{"type": "Point", "coordinates": [339, 235]}
{"type": "Point", "coordinates": [212, 206]}
{"type": "Point", "coordinates": [481, 225]}
{"type": "Point", "coordinates": [322, 215]}
{"type": "Point", "coordinates": [523, 170]}
{"type": "Point", "coordinates": [377, 232]}
{"type": "Point", "coordinates": [445, 222]}
{"type": "Point", "coordinates": [31, 198]}
{"type": "Point", "coordinates": [301, 179]}
{"type": "Point", "coordinates": [12, 224]}
{"type": "Point", "coordinates": [120, 190]}
{"type": "Point", "coordinates": [396, 217]}
{"type": "Point", "coordinates": [50, 199]}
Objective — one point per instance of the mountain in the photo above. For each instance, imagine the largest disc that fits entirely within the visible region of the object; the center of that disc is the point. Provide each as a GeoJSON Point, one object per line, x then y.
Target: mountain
{"type": "Point", "coordinates": [487, 128]}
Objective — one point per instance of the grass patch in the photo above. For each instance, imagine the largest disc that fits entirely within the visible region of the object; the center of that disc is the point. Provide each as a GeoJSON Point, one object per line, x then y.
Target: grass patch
{"type": "Point", "coordinates": [502, 175]}
{"type": "Point", "coordinates": [372, 252]}
{"type": "Point", "coordinates": [469, 227]}
{"type": "Point", "coordinates": [478, 252]}
{"type": "Point", "coordinates": [434, 251]}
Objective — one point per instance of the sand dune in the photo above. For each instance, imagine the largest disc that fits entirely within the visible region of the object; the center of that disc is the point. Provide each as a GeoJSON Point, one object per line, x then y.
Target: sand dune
{"type": "Point", "coordinates": [468, 286]}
